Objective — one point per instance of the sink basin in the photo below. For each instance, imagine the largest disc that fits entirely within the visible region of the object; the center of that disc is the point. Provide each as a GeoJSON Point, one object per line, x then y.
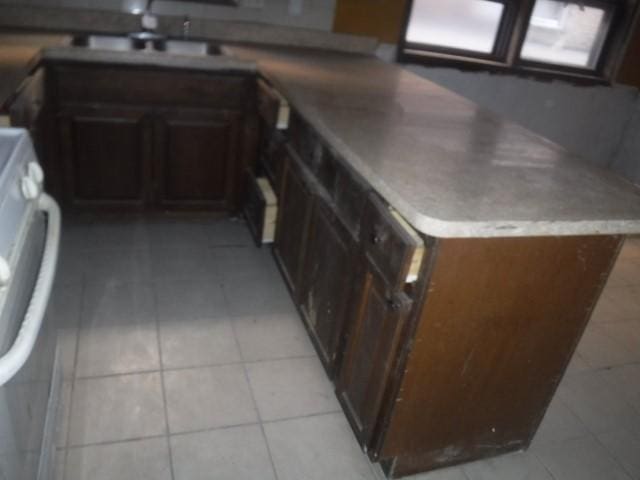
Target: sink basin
{"type": "Point", "coordinates": [189, 47]}
{"type": "Point", "coordinates": [148, 41]}
{"type": "Point", "coordinates": [109, 42]}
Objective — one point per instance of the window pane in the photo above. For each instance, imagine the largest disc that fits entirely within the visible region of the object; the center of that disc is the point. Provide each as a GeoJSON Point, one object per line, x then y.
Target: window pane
{"type": "Point", "coordinates": [565, 33]}
{"type": "Point", "coordinates": [463, 24]}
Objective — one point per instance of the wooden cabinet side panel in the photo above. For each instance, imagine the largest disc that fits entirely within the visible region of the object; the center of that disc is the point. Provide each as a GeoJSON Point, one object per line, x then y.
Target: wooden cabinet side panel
{"type": "Point", "coordinates": [498, 327]}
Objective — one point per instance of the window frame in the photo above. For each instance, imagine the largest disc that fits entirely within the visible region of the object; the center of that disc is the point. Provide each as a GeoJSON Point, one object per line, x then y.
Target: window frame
{"type": "Point", "coordinates": [510, 38]}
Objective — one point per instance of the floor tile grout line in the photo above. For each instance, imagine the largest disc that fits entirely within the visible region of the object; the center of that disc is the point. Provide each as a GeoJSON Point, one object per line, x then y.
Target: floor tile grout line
{"type": "Point", "coordinates": [593, 434]}
{"type": "Point", "coordinates": [253, 397]}
{"type": "Point", "coordinates": [116, 442]}
{"type": "Point", "coordinates": [73, 374]}
{"type": "Point", "coordinates": [613, 457]}
{"type": "Point", "coordinates": [543, 464]}
{"type": "Point", "coordinates": [163, 368]}
{"type": "Point", "coordinates": [600, 371]}
{"type": "Point", "coordinates": [199, 430]}
{"type": "Point", "coordinates": [162, 383]}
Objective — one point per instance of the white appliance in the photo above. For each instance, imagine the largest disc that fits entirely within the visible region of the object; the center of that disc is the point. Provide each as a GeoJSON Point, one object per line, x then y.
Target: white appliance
{"type": "Point", "coordinates": [29, 374]}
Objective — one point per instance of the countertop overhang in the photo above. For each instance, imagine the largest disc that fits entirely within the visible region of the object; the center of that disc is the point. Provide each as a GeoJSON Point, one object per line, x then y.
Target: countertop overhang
{"type": "Point", "coordinates": [450, 167]}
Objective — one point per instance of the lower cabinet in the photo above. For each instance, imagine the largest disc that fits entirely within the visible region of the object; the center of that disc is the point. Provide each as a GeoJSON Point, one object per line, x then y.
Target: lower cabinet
{"type": "Point", "coordinates": [151, 138]}
{"type": "Point", "coordinates": [194, 156]}
{"type": "Point", "coordinates": [106, 153]}
{"type": "Point", "coordinates": [376, 325]}
{"type": "Point", "coordinates": [294, 211]}
{"type": "Point", "coordinates": [137, 157]}
{"type": "Point", "coordinates": [327, 282]}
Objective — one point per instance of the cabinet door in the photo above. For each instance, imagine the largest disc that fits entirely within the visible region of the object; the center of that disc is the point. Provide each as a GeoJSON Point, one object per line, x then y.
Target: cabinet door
{"type": "Point", "coordinates": [327, 282]}
{"type": "Point", "coordinates": [106, 156]}
{"type": "Point", "coordinates": [371, 352]}
{"type": "Point", "coordinates": [295, 203]}
{"type": "Point", "coordinates": [196, 156]}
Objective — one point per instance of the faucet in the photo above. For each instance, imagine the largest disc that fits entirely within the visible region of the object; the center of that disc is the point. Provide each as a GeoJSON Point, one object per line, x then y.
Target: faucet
{"type": "Point", "coordinates": [149, 21]}
{"type": "Point", "coordinates": [186, 27]}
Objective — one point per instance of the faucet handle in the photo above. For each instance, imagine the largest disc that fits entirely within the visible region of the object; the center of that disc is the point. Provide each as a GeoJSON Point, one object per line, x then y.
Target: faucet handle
{"type": "Point", "coordinates": [186, 26]}
{"type": "Point", "coordinates": [149, 21]}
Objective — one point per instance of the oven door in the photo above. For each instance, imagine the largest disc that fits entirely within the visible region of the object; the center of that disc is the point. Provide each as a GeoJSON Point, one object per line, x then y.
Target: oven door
{"type": "Point", "coordinates": [29, 393]}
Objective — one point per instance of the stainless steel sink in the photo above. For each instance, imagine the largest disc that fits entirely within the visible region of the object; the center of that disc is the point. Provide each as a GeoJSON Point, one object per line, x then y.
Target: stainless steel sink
{"type": "Point", "coordinates": [189, 47]}
{"type": "Point", "coordinates": [108, 42]}
{"type": "Point", "coordinates": [147, 41]}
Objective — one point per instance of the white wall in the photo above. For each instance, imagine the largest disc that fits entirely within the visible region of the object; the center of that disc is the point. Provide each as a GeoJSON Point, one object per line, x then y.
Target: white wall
{"type": "Point", "coordinates": [315, 14]}
{"type": "Point", "coordinates": [600, 123]}
{"type": "Point", "coordinates": [627, 160]}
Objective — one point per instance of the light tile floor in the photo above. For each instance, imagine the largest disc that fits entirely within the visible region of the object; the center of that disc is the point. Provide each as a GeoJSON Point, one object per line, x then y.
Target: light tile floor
{"type": "Point", "coordinates": [184, 359]}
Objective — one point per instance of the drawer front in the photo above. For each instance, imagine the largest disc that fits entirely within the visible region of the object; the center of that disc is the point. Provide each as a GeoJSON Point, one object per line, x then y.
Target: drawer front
{"type": "Point", "coordinates": [305, 142]}
{"type": "Point", "coordinates": [388, 245]}
{"type": "Point", "coordinates": [260, 209]}
{"type": "Point", "coordinates": [327, 171]}
{"type": "Point", "coordinates": [350, 197]}
{"type": "Point", "coordinates": [128, 86]}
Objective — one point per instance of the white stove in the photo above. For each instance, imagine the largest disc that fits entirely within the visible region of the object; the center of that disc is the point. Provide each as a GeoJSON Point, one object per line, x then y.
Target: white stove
{"type": "Point", "coordinates": [29, 376]}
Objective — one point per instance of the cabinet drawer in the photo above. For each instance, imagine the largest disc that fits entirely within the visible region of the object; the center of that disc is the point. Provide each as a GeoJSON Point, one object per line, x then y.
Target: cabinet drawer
{"type": "Point", "coordinates": [390, 244]}
{"type": "Point", "coordinates": [305, 142]}
{"type": "Point", "coordinates": [261, 209]}
{"type": "Point", "coordinates": [272, 107]}
{"type": "Point", "coordinates": [350, 197]}
{"type": "Point", "coordinates": [94, 83]}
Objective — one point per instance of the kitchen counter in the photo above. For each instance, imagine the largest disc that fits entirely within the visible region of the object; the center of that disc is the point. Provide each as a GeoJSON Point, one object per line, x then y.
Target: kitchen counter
{"type": "Point", "coordinates": [450, 167]}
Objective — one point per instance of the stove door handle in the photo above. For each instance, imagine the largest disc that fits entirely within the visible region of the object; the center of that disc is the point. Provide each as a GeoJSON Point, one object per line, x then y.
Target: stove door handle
{"type": "Point", "coordinates": [12, 361]}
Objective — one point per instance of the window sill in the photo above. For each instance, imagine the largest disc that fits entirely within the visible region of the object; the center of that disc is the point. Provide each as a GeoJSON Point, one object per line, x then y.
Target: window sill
{"type": "Point", "coordinates": [544, 73]}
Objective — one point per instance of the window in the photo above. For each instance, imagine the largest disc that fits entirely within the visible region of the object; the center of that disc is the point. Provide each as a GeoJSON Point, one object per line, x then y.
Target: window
{"type": "Point", "coordinates": [548, 37]}
{"type": "Point", "coordinates": [563, 33]}
{"type": "Point", "coordinates": [463, 24]}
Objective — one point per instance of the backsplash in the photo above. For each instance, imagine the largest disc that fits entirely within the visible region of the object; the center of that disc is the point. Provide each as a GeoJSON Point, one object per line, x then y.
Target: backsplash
{"type": "Point", "coordinates": [314, 14]}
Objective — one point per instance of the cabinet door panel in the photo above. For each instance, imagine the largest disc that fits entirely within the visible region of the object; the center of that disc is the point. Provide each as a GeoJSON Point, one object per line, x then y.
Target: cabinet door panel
{"type": "Point", "coordinates": [296, 201]}
{"type": "Point", "coordinates": [327, 282]}
{"type": "Point", "coordinates": [195, 152]}
{"type": "Point", "coordinates": [371, 353]}
{"type": "Point", "coordinates": [106, 156]}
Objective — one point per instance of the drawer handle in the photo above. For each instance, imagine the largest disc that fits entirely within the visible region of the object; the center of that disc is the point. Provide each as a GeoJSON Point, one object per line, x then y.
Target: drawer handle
{"type": "Point", "coordinates": [375, 238]}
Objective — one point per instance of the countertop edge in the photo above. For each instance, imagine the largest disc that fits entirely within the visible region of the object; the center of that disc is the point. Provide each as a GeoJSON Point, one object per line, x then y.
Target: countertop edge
{"type": "Point", "coordinates": [436, 227]}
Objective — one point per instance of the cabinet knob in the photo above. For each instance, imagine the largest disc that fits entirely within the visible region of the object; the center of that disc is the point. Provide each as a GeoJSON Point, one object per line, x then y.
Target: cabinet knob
{"type": "Point", "coordinates": [375, 238]}
{"type": "Point", "coordinates": [30, 189]}
{"type": "Point", "coordinates": [35, 172]}
{"type": "Point", "coordinates": [5, 272]}
{"type": "Point", "coordinates": [393, 304]}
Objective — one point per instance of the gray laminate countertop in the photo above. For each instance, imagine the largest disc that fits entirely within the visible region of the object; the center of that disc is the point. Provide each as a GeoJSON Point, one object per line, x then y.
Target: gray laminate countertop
{"type": "Point", "coordinates": [450, 167]}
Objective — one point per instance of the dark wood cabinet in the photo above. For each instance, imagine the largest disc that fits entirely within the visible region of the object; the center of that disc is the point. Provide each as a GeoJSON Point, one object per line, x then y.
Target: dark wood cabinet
{"type": "Point", "coordinates": [377, 323]}
{"type": "Point", "coordinates": [294, 211]}
{"type": "Point", "coordinates": [439, 350]}
{"type": "Point", "coordinates": [153, 139]}
{"type": "Point", "coordinates": [327, 282]}
{"type": "Point", "coordinates": [106, 152]}
{"type": "Point", "coordinates": [195, 153]}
